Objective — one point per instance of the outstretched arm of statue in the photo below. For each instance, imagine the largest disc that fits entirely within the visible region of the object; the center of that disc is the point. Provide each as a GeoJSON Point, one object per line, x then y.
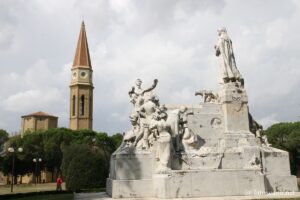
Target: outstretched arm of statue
{"type": "Point", "coordinates": [131, 91]}
{"type": "Point", "coordinates": [151, 88]}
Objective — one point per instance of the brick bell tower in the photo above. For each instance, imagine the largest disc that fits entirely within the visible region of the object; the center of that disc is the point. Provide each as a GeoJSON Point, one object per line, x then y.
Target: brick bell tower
{"type": "Point", "coordinates": [81, 87]}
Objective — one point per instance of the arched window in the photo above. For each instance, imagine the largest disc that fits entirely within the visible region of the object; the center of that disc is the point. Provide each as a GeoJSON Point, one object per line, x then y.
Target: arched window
{"type": "Point", "coordinates": [73, 105]}
{"type": "Point", "coordinates": [82, 105]}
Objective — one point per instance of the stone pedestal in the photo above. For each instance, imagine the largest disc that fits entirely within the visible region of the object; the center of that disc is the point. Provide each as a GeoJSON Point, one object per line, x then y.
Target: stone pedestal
{"type": "Point", "coordinates": [201, 183]}
{"type": "Point", "coordinates": [129, 188]}
{"type": "Point", "coordinates": [130, 174]}
{"type": "Point", "coordinates": [235, 108]}
{"type": "Point", "coordinates": [236, 173]}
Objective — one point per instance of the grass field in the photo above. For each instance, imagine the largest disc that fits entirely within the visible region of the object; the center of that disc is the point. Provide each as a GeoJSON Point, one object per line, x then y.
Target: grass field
{"type": "Point", "coordinates": [25, 188]}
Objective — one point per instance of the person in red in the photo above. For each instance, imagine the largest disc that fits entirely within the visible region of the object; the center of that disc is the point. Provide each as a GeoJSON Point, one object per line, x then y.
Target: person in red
{"type": "Point", "coordinates": [58, 183]}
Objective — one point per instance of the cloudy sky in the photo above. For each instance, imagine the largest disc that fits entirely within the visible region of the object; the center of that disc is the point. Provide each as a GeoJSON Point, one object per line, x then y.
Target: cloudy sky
{"type": "Point", "coordinates": [171, 40]}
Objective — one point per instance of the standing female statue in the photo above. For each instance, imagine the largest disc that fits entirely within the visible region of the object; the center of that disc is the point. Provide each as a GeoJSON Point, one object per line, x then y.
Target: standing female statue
{"type": "Point", "coordinates": [229, 71]}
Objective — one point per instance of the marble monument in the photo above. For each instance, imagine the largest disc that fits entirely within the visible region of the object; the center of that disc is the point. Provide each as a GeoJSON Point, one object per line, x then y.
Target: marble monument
{"type": "Point", "coordinates": [214, 148]}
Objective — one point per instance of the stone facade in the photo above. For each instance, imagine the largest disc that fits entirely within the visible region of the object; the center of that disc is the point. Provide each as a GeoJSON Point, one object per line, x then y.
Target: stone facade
{"type": "Point", "coordinates": [38, 121]}
{"type": "Point", "coordinates": [214, 148]}
{"type": "Point", "coordinates": [81, 87]}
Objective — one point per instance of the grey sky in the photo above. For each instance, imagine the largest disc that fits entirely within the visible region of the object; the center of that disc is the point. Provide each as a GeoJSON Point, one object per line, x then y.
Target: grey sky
{"type": "Point", "coordinates": [170, 40]}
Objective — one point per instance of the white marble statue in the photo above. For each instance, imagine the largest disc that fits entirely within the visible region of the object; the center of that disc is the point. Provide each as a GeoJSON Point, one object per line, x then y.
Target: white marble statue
{"type": "Point", "coordinates": [151, 124]}
{"type": "Point", "coordinates": [189, 140]}
{"type": "Point", "coordinates": [224, 50]}
{"type": "Point", "coordinates": [132, 134]}
{"type": "Point", "coordinates": [164, 143]}
{"type": "Point", "coordinates": [145, 103]}
{"type": "Point", "coordinates": [136, 92]}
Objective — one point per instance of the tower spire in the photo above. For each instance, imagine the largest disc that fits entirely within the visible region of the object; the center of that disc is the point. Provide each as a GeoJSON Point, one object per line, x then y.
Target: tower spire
{"type": "Point", "coordinates": [82, 55]}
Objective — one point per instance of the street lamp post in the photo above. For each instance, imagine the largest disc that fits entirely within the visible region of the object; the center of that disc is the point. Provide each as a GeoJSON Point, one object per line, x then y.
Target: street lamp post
{"type": "Point", "coordinates": [36, 161]}
{"type": "Point", "coordinates": [13, 151]}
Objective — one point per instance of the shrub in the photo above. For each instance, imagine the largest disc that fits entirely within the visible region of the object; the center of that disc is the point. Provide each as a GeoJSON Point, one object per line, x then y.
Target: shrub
{"type": "Point", "coordinates": [83, 167]}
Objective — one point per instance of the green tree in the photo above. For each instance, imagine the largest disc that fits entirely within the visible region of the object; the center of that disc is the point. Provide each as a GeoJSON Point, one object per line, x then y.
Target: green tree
{"type": "Point", "coordinates": [21, 167]}
{"type": "Point", "coordinates": [83, 136]}
{"type": "Point", "coordinates": [117, 140]}
{"type": "Point", "coordinates": [50, 146]}
{"type": "Point", "coordinates": [3, 139]}
{"type": "Point", "coordinates": [82, 167]}
{"type": "Point", "coordinates": [54, 141]}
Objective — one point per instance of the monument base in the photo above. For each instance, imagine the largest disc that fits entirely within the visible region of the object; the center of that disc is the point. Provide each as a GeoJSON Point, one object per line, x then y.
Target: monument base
{"type": "Point", "coordinates": [129, 188]}
{"type": "Point", "coordinates": [202, 183]}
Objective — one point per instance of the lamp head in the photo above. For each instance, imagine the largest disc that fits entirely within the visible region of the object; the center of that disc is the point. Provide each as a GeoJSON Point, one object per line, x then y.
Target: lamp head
{"type": "Point", "coordinates": [11, 149]}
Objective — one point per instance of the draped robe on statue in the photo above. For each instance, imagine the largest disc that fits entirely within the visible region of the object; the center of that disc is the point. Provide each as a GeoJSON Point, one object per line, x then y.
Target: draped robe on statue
{"type": "Point", "coordinates": [224, 51]}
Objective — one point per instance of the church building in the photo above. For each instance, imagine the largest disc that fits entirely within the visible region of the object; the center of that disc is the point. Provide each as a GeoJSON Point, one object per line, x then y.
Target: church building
{"type": "Point", "coordinates": [37, 121]}
{"type": "Point", "coordinates": [81, 87]}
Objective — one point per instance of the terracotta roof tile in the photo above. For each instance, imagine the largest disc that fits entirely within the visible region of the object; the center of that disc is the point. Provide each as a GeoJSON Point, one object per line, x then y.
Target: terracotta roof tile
{"type": "Point", "coordinates": [39, 114]}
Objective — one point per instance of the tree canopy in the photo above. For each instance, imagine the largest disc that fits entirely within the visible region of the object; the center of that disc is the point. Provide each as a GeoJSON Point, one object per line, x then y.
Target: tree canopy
{"type": "Point", "coordinates": [3, 138]}
{"type": "Point", "coordinates": [51, 144]}
{"type": "Point", "coordinates": [83, 167]}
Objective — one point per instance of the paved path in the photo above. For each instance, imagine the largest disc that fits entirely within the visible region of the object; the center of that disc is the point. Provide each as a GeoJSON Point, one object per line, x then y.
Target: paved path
{"type": "Point", "coordinates": [104, 196]}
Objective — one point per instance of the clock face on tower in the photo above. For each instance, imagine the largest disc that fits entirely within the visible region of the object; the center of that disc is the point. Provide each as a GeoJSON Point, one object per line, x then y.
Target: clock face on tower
{"type": "Point", "coordinates": [83, 74]}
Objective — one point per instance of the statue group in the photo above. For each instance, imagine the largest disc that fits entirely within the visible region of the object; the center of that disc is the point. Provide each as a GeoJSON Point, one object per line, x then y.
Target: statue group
{"type": "Point", "coordinates": [153, 124]}
{"type": "Point", "coordinates": [191, 151]}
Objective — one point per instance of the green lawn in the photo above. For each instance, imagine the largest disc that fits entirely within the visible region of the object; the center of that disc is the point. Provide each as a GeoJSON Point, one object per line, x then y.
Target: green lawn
{"type": "Point", "coordinates": [25, 188]}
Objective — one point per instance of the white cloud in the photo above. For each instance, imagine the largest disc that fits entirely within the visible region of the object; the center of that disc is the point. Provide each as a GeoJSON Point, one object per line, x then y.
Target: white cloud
{"type": "Point", "coordinates": [170, 40]}
{"type": "Point", "coordinates": [32, 100]}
